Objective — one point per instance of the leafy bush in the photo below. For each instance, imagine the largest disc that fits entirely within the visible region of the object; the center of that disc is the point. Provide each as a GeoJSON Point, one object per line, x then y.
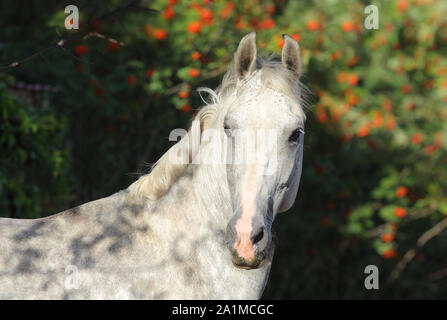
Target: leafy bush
{"type": "Point", "coordinates": [34, 160]}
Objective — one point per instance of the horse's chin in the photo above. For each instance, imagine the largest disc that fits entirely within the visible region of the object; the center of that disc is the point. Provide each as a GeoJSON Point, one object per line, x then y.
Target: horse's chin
{"type": "Point", "coordinates": [248, 266]}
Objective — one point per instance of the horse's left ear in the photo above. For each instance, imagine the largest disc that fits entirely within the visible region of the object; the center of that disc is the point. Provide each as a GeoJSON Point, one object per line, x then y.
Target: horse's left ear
{"type": "Point", "coordinates": [291, 55]}
{"type": "Point", "coordinates": [245, 57]}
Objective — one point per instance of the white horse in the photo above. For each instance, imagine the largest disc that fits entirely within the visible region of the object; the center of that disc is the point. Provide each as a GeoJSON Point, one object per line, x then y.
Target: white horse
{"type": "Point", "coordinates": [189, 229]}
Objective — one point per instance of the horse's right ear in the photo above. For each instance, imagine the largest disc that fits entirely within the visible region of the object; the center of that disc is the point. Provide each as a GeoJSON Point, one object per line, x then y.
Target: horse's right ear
{"type": "Point", "coordinates": [245, 58]}
{"type": "Point", "coordinates": [291, 55]}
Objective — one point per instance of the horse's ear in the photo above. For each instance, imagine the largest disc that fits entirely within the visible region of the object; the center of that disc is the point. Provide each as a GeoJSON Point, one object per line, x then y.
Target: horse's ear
{"type": "Point", "coordinates": [245, 58]}
{"type": "Point", "coordinates": [291, 54]}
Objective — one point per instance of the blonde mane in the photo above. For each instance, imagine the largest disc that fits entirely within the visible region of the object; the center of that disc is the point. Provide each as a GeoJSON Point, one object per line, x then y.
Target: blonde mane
{"type": "Point", "coordinates": [164, 173]}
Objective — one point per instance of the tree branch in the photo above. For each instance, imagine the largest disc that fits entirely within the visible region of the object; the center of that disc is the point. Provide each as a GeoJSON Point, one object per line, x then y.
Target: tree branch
{"type": "Point", "coordinates": [438, 275]}
{"type": "Point", "coordinates": [62, 42]}
{"type": "Point", "coordinates": [422, 240]}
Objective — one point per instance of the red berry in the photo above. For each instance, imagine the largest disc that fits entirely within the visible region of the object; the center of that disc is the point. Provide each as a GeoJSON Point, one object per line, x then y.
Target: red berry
{"type": "Point", "coordinates": [194, 27]}
{"type": "Point", "coordinates": [401, 192]}
{"type": "Point", "coordinates": [271, 8]}
{"type": "Point", "coordinates": [226, 12]}
{"type": "Point", "coordinates": [281, 43]}
{"type": "Point", "coordinates": [363, 131]}
{"type": "Point", "coordinates": [150, 72]}
{"type": "Point", "coordinates": [206, 16]}
{"type": "Point", "coordinates": [313, 25]}
{"type": "Point", "coordinates": [183, 94]}
{"type": "Point", "coordinates": [347, 26]}
{"type": "Point", "coordinates": [296, 36]}
{"type": "Point", "coordinates": [406, 88]}
{"type": "Point", "coordinates": [160, 34]}
{"type": "Point", "coordinates": [402, 5]}
{"type": "Point", "coordinates": [389, 254]}
{"type": "Point", "coordinates": [185, 108]}
{"type": "Point", "coordinates": [400, 212]}
{"type": "Point", "coordinates": [195, 56]}
{"type": "Point", "coordinates": [267, 24]}
{"type": "Point", "coordinates": [194, 73]}
{"type": "Point", "coordinates": [429, 149]}
{"type": "Point", "coordinates": [169, 13]}
{"type": "Point", "coordinates": [113, 46]}
{"type": "Point", "coordinates": [131, 79]}
{"type": "Point", "coordinates": [353, 79]}
{"type": "Point", "coordinates": [387, 237]}
{"type": "Point", "coordinates": [417, 138]}
{"type": "Point", "coordinates": [80, 50]}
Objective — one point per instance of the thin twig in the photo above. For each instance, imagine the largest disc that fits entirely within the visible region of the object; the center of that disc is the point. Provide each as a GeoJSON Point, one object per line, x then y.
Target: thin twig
{"type": "Point", "coordinates": [62, 42]}
{"type": "Point", "coordinates": [422, 240]}
{"type": "Point", "coordinates": [414, 215]}
{"type": "Point", "coordinates": [438, 275]}
{"type": "Point", "coordinates": [101, 36]}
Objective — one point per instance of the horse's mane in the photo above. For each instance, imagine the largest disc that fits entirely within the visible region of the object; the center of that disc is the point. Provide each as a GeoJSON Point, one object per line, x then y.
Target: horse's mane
{"type": "Point", "coordinates": [164, 173]}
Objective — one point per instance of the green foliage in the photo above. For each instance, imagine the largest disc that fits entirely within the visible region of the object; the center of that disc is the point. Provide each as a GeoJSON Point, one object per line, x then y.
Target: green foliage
{"type": "Point", "coordinates": [377, 142]}
{"type": "Point", "coordinates": [34, 161]}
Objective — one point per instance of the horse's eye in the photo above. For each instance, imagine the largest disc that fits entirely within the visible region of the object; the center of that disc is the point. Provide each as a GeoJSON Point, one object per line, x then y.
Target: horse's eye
{"type": "Point", "coordinates": [295, 136]}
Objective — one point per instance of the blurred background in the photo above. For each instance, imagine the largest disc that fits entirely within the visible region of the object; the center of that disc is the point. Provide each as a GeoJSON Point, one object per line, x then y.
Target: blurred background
{"type": "Point", "coordinates": [83, 120]}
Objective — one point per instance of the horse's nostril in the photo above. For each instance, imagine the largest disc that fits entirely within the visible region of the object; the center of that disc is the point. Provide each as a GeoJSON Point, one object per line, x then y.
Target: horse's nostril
{"type": "Point", "coordinates": [258, 237]}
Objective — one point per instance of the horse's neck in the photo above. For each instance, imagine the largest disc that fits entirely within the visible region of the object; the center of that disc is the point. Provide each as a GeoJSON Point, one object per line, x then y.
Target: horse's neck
{"type": "Point", "coordinates": [199, 206]}
{"type": "Point", "coordinates": [206, 193]}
